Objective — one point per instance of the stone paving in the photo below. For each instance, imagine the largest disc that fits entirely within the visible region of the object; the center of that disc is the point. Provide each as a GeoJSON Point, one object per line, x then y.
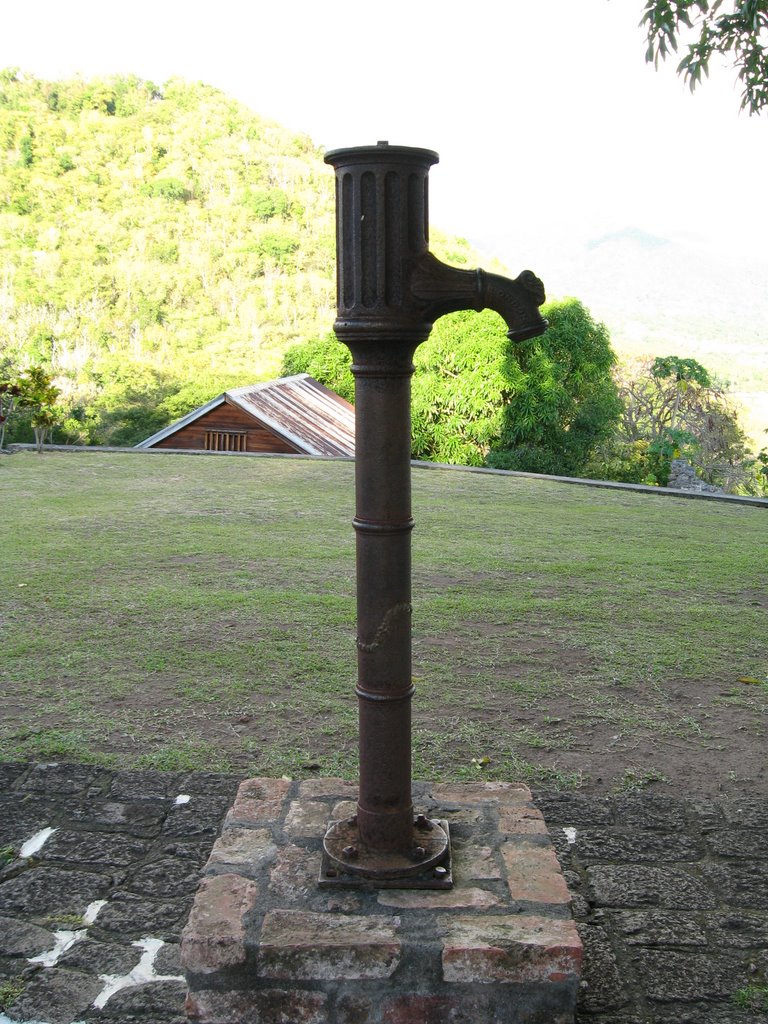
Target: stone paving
{"type": "Point", "coordinates": [671, 896]}
{"type": "Point", "coordinates": [136, 840]}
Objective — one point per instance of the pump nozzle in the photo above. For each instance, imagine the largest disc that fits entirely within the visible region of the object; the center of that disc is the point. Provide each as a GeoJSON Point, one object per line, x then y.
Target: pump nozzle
{"type": "Point", "coordinates": [440, 289]}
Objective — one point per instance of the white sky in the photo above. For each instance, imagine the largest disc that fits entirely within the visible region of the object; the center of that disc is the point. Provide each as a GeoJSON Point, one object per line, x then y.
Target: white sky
{"type": "Point", "coordinates": [550, 126]}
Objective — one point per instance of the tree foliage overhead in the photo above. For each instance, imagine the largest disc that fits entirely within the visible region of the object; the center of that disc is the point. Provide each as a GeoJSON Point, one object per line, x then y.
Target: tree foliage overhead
{"type": "Point", "coordinates": [738, 30]}
{"type": "Point", "coordinates": [478, 399]}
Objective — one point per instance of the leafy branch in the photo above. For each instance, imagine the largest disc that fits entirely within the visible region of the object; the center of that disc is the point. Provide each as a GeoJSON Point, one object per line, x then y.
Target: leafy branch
{"type": "Point", "coordinates": [740, 32]}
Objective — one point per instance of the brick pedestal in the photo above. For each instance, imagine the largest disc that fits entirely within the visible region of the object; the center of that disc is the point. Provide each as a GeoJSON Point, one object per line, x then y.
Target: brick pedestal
{"type": "Point", "coordinates": [265, 945]}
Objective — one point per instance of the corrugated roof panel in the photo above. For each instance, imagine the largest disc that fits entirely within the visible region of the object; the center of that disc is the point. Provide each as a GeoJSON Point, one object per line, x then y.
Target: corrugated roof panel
{"type": "Point", "coordinates": [305, 412]}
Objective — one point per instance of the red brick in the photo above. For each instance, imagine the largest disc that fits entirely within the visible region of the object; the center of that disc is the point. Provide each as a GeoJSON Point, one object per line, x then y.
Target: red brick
{"type": "Point", "coordinates": [294, 874]}
{"type": "Point", "coordinates": [307, 819]}
{"type": "Point", "coordinates": [418, 1009]}
{"type": "Point", "coordinates": [511, 949]}
{"type": "Point", "coordinates": [481, 792]}
{"type": "Point", "coordinates": [417, 899]}
{"type": "Point", "coordinates": [517, 821]}
{"type": "Point", "coordinates": [242, 848]}
{"type": "Point", "coordinates": [344, 809]}
{"type": "Point", "coordinates": [533, 873]}
{"type": "Point", "coordinates": [474, 862]}
{"type": "Point", "coordinates": [258, 801]}
{"type": "Point", "coordinates": [311, 789]}
{"type": "Point", "coordinates": [214, 936]}
{"type": "Point", "coordinates": [327, 947]}
{"type": "Point", "coordinates": [267, 1006]}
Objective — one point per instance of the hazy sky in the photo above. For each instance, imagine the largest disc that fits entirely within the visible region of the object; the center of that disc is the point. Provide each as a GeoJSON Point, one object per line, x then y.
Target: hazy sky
{"type": "Point", "coordinates": [550, 126]}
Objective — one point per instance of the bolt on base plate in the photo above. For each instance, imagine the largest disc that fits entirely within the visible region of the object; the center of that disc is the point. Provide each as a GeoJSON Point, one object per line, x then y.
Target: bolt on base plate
{"type": "Point", "coordinates": [346, 865]}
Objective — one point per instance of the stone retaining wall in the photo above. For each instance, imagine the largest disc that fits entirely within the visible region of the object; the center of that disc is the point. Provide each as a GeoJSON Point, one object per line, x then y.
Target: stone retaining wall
{"type": "Point", "coordinates": [682, 477]}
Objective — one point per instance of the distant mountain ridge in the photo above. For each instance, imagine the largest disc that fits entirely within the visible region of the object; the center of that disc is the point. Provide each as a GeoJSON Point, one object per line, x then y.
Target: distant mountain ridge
{"type": "Point", "coordinates": [631, 235]}
{"type": "Point", "coordinates": [665, 295]}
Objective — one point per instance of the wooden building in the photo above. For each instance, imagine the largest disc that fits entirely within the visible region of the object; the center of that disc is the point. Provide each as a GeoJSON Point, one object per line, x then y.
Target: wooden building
{"type": "Point", "coordinates": [289, 416]}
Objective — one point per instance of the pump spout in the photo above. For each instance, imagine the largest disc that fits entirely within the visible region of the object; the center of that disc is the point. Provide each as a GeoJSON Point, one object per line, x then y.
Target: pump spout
{"type": "Point", "coordinates": [438, 289]}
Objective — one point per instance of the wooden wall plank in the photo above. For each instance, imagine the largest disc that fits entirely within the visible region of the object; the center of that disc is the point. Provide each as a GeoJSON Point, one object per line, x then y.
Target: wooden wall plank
{"type": "Point", "coordinates": [228, 417]}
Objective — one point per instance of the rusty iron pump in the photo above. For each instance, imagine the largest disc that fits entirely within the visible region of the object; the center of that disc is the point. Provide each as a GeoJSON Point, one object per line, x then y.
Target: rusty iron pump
{"type": "Point", "coordinates": [390, 291]}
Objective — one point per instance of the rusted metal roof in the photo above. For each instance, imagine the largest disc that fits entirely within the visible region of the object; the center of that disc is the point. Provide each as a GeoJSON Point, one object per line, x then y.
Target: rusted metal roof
{"type": "Point", "coordinates": [302, 410]}
{"type": "Point", "coordinates": [309, 415]}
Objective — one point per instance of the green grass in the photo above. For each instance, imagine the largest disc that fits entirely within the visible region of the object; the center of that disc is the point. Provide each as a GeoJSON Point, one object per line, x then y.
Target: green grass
{"type": "Point", "coordinates": [10, 990]}
{"type": "Point", "coordinates": [188, 612]}
{"type": "Point", "coordinates": [752, 997]}
{"type": "Point", "coordinates": [636, 779]}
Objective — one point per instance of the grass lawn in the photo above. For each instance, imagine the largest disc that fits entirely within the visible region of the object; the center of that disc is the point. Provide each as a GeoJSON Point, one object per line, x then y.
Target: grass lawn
{"type": "Point", "coordinates": [198, 612]}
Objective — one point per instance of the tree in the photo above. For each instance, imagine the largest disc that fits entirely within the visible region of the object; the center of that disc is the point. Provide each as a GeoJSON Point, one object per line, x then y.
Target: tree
{"type": "Point", "coordinates": [265, 204]}
{"type": "Point", "coordinates": [738, 30]}
{"type": "Point", "coordinates": [479, 399]}
{"type": "Point", "coordinates": [39, 395]}
{"type": "Point", "coordinates": [129, 405]}
{"type": "Point", "coordinates": [325, 359]}
{"type": "Point", "coordinates": [34, 391]}
{"type": "Point", "coordinates": [673, 407]}
{"type": "Point", "coordinates": [566, 402]}
{"type": "Point", "coordinates": [684, 373]}
{"type": "Point", "coordinates": [462, 382]}
{"type": "Point", "coordinates": [9, 398]}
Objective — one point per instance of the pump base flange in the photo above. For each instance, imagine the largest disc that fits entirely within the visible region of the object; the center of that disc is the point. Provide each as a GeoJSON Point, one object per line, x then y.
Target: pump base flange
{"type": "Point", "coordinates": [432, 870]}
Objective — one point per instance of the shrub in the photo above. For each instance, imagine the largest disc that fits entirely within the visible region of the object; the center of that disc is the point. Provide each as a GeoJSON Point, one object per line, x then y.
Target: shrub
{"type": "Point", "coordinates": [540, 406]}
{"type": "Point", "coordinates": [171, 189]}
{"type": "Point", "coordinates": [265, 204]}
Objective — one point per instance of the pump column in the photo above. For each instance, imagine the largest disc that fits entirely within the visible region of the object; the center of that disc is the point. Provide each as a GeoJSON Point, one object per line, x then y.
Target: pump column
{"type": "Point", "coordinates": [381, 201]}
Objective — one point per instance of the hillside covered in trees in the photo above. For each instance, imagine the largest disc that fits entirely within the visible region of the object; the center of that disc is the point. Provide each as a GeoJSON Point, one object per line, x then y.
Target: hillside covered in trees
{"type": "Point", "coordinates": [157, 244]}
{"type": "Point", "coordinates": [154, 241]}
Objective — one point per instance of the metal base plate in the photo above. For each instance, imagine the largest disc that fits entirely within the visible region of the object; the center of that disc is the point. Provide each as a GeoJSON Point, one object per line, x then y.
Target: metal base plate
{"type": "Point", "coordinates": [436, 876]}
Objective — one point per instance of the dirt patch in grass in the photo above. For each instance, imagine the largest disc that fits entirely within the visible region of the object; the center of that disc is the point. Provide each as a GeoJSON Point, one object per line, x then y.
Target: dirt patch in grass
{"type": "Point", "coordinates": [548, 706]}
{"type": "Point", "coordinates": [753, 597]}
{"type": "Point", "coordinates": [705, 737]}
{"type": "Point", "coordinates": [707, 746]}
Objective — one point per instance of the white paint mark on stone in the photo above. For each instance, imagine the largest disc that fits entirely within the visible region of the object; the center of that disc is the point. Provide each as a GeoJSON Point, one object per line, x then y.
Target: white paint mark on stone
{"type": "Point", "coordinates": [63, 941]}
{"type": "Point", "coordinates": [36, 843]}
{"type": "Point", "coordinates": [143, 972]}
{"type": "Point", "coordinates": [92, 911]}
{"type": "Point", "coordinates": [570, 835]}
{"type": "Point", "coordinates": [182, 798]}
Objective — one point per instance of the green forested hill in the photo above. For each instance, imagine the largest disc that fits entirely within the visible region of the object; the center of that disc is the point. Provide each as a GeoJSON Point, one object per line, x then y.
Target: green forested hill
{"type": "Point", "coordinates": [154, 237]}
{"type": "Point", "coordinates": [157, 244]}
